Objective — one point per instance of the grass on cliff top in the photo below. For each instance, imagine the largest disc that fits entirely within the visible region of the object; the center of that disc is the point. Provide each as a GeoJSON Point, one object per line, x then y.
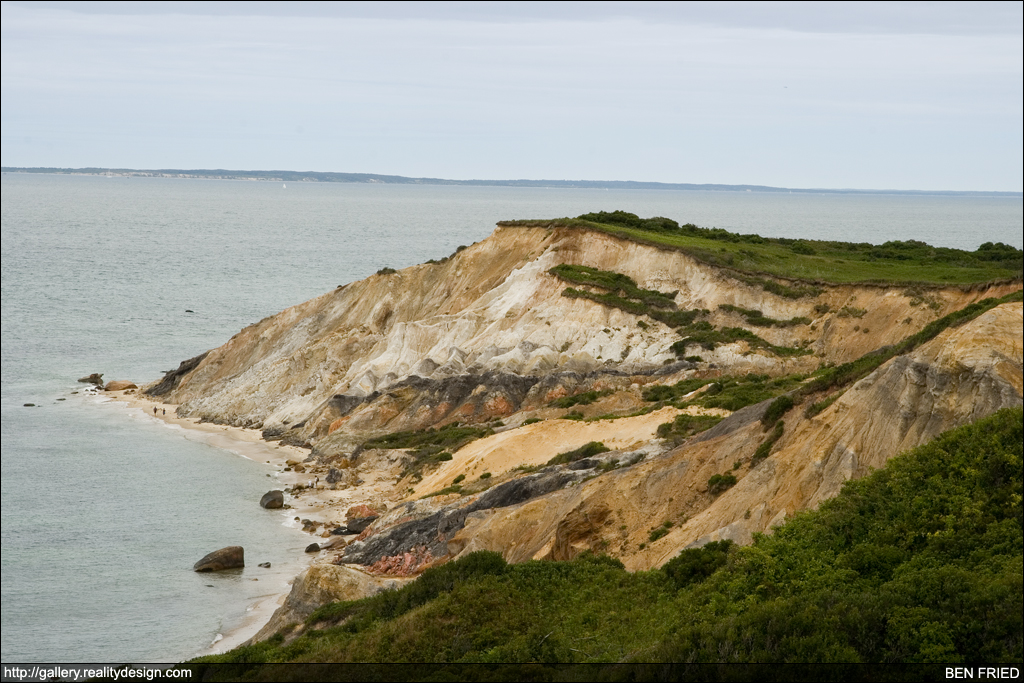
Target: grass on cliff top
{"type": "Point", "coordinates": [918, 562]}
{"type": "Point", "coordinates": [895, 262]}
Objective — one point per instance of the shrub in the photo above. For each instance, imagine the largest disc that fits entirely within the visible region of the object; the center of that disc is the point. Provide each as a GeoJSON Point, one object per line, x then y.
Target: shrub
{"type": "Point", "coordinates": [720, 482]}
{"type": "Point", "coordinates": [586, 451]}
{"type": "Point", "coordinates": [696, 564]}
{"type": "Point", "coordinates": [776, 410]}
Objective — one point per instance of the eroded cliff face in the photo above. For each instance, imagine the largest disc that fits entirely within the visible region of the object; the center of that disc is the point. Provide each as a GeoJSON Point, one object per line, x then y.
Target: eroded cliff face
{"type": "Point", "coordinates": [487, 338]}
{"type": "Point", "coordinates": [487, 325]}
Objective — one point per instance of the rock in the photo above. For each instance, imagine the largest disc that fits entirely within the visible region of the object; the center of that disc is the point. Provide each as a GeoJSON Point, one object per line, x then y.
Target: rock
{"type": "Point", "coordinates": [29, 405]}
{"type": "Point", "coordinates": [313, 548]}
{"type": "Point", "coordinates": [319, 585]}
{"type": "Point", "coordinates": [272, 500]}
{"type": "Point", "coordinates": [95, 378]}
{"type": "Point", "coordinates": [339, 531]}
{"type": "Point", "coordinates": [585, 464]}
{"type": "Point", "coordinates": [334, 476]}
{"type": "Point", "coordinates": [231, 557]}
{"type": "Point", "coordinates": [360, 511]}
{"type": "Point", "coordinates": [333, 542]}
{"type": "Point", "coordinates": [265, 565]}
{"type": "Point", "coordinates": [173, 378]}
{"type": "Point", "coordinates": [359, 524]}
{"type": "Point", "coordinates": [120, 385]}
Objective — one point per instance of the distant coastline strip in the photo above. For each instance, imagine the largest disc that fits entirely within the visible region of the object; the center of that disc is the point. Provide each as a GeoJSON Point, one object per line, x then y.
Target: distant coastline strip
{"type": "Point", "coordinates": [334, 177]}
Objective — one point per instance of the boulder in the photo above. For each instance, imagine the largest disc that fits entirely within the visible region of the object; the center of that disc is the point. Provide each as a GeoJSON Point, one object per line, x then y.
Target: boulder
{"type": "Point", "coordinates": [272, 500]}
{"type": "Point", "coordinates": [357, 511]}
{"type": "Point", "coordinates": [120, 385]}
{"type": "Point", "coordinates": [231, 557]}
{"type": "Point", "coordinates": [95, 378]}
{"type": "Point", "coordinates": [359, 524]}
{"type": "Point", "coordinates": [313, 548]}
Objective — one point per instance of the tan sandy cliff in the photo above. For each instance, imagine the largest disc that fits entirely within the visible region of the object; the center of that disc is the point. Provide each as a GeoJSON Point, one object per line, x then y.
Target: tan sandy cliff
{"type": "Point", "coordinates": [486, 337]}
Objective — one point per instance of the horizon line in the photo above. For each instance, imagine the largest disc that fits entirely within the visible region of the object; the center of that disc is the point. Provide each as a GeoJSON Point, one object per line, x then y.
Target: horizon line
{"type": "Point", "coordinates": [380, 178]}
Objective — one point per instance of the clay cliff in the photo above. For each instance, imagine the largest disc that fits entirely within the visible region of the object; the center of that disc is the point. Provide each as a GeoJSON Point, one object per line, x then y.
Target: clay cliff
{"type": "Point", "coordinates": [488, 339]}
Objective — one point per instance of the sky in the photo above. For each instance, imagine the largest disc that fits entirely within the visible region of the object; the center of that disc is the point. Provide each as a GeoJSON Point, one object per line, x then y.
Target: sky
{"type": "Point", "coordinates": [908, 96]}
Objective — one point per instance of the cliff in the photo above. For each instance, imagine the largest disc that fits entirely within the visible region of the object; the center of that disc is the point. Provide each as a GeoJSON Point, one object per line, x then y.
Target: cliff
{"type": "Point", "coordinates": [488, 339]}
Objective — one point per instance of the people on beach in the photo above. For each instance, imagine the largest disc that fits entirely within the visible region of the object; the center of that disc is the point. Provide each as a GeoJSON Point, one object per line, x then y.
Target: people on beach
{"type": "Point", "coordinates": [154, 410]}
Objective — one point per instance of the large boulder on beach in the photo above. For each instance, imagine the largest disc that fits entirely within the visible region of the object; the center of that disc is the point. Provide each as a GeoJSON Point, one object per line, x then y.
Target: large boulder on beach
{"type": "Point", "coordinates": [120, 385]}
{"type": "Point", "coordinates": [231, 557]}
{"type": "Point", "coordinates": [272, 500]}
{"type": "Point", "coordinates": [95, 378]}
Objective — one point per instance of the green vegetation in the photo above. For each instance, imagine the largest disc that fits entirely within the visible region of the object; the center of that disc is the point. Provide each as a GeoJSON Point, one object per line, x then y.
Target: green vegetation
{"type": "Point", "coordinates": [624, 294]}
{"type": "Point", "coordinates": [766, 446]}
{"type": "Point", "coordinates": [661, 531]}
{"type": "Point", "coordinates": [707, 337]}
{"type": "Point", "coordinates": [586, 451]}
{"type": "Point", "coordinates": [429, 446]}
{"type": "Point", "coordinates": [818, 406]}
{"type": "Point", "coordinates": [758, 319]}
{"type": "Point", "coordinates": [386, 271]}
{"type": "Point", "coordinates": [582, 399]}
{"type": "Point", "coordinates": [806, 261]}
{"type": "Point", "coordinates": [684, 426]}
{"type": "Point", "coordinates": [719, 483]}
{"type": "Point", "coordinates": [827, 379]}
{"type": "Point", "coordinates": [918, 562]}
{"type": "Point", "coordinates": [776, 410]}
{"type": "Point", "coordinates": [696, 564]}
{"type": "Point", "coordinates": [532, 420]}
{"type": "Point", "coordinates": [623, 285]}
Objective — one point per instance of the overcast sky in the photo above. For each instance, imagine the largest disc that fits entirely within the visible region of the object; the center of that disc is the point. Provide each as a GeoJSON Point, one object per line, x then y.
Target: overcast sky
{"type": "Point", "coordinates": [890, 95]}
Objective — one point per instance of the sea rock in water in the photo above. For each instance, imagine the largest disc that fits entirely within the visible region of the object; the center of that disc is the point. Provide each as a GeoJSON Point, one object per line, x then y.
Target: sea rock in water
{"type": "Point", "coordinates": [272, 500]}
{"type": "Point", "coordinates": [95, 378]}
{"type": "Point", "coordinates": [120, 385]}
{"type": "Point", "coordinates": [231, 557]}
{"type": "Point", "coordinates": [265, 565]}
{"type": "Point", "coordinates": [313, 548]}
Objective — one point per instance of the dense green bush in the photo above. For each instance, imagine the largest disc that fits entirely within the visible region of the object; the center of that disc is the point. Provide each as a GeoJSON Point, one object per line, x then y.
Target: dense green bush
{"type": "Point", "coordinates": [588, 450]}
{"type": "Point", "coordinates": [696, 564]}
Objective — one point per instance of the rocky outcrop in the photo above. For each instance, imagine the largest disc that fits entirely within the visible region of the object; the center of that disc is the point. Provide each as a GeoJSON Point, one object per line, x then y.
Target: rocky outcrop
{"type": "Point", "coordinates": [432, 533]}
{"type": "Point", "coordinates": [120, 385]}
{"type": "Point", "coordinates": [231, 557]}
{"type": "Point", "coordinates": [95, 378]}
{"type": "Point", "coordinates": [172, 378]}
{"type": "Point", "coordinates": [272, 500]}
{"type": "Point", "coordinates": [319, 585]}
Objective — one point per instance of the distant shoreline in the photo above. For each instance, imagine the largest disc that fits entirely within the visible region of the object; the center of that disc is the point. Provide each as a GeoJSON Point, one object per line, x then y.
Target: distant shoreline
{"type": "Point", "coordinates": [376, 178]}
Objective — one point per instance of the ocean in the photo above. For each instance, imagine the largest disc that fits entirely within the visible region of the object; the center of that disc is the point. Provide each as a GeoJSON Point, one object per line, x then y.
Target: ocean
{"type": "Point", "coordinates": [104, 510]}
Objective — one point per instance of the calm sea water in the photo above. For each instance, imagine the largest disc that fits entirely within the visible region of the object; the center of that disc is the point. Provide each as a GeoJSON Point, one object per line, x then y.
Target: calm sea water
{"type": "Point", "coordinates": [104, 511]}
